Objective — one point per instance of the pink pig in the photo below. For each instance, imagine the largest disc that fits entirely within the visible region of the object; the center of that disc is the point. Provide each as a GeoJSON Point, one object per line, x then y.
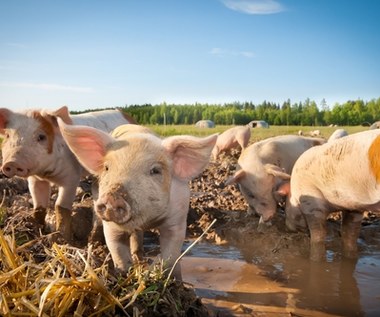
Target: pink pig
{"type": "Point", "coordinates": [342, 175]}
{"type": "Point", "coordinates": [33, 148]}
{"type": "Point", "coordinates": [232, 138]}
{"type": "Point", "coordinates": [143, 184]}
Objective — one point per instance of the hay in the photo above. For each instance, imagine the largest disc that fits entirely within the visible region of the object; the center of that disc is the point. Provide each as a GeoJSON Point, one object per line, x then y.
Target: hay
{"type": "Point", "coordinates": [70, 282]}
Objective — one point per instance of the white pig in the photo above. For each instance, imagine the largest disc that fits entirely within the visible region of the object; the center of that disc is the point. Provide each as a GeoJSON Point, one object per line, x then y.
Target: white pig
{"type": "Point", "coordinates": [337, 134]}
{"type": "Point", "coordinates": [264, 166]}
{"type": "Point", "coordinates": [33, 148]}
{"type": "Point", "coordinates": [341, 175]}
{"type": "Point", "coordinates": [143, 184]}
{"type": "Point", "coordinates": [232, 138]}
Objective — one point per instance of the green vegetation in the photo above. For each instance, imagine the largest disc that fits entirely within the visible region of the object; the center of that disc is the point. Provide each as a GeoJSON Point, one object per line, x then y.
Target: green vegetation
{"type": "Point", "coordinates": [306, 113]}
{"type": "Point", "coordinates": [257, 133]}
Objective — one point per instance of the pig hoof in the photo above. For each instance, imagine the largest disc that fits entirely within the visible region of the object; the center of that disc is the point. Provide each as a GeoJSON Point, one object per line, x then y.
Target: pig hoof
{"type": "Point", "coordinates": [39, 215]}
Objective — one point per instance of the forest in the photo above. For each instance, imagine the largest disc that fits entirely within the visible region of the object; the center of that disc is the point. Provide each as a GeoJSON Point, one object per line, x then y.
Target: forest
{"type": "Point", "coordinates": [307, 113]}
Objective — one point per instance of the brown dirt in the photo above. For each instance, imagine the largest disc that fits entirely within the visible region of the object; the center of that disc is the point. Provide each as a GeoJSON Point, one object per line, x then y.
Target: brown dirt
{"type": "Point", "coordinates": [210, 200]}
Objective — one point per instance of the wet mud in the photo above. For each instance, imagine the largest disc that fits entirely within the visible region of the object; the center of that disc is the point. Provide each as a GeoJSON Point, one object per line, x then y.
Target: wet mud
{"type": "Point", "coordinates": [236, 269]}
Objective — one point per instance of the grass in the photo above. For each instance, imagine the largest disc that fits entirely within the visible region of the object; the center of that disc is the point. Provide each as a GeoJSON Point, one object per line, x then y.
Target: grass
{"type": "Point", "coordinates": [257, 133]}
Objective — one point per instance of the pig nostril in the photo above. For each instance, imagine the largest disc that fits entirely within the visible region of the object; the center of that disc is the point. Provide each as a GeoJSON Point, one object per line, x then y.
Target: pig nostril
{"type": "Point", "coordinates": [101, 208]}
{"type": "Point", "coordinates": [120, 210]}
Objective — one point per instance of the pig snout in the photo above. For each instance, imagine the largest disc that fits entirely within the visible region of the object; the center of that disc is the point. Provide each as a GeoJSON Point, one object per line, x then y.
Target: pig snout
{"type": "Point", "coordinates": [111, 207]}
{"type": "Point", "coordinates": [13, 168]}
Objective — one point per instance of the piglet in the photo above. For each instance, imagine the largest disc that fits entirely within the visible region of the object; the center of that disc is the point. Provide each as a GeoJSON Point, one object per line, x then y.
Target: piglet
{"type": "Point", "coordinates": [33, 148]}
{"type": "Point", "coordinates": [143, 184]}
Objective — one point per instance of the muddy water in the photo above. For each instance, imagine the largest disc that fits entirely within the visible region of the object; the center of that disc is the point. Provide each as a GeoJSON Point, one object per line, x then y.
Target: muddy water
{"type": "Point", "coordinates": [236, 282]}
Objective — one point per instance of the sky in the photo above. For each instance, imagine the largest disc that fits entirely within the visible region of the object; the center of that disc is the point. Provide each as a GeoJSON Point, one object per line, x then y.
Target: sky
{"type": "Point", "coordinates": [90, 54]}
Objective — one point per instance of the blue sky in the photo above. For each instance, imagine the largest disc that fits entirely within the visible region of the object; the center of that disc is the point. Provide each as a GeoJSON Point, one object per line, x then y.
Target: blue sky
{"type": "Point", "coordinates": [94, 54]}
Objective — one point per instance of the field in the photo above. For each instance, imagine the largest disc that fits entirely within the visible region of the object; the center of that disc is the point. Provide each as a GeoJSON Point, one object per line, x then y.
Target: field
{"type": "Point", "coordinates": [42, 276]}
{"type": "Point", "coordinates": [257, 133]}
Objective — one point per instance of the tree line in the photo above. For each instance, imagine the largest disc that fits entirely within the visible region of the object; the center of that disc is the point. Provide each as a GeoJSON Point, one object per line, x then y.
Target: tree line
{"type": "Point", "coordinates": [307, 113]}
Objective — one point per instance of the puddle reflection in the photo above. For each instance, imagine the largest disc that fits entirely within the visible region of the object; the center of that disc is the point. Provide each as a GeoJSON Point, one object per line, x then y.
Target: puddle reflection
{"type": "Point", "coordinates": [293, 286]}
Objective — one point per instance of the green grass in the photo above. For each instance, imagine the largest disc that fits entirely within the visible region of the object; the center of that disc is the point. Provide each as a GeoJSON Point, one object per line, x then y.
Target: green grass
{"type": "Point", "coordinates": [257, 133]}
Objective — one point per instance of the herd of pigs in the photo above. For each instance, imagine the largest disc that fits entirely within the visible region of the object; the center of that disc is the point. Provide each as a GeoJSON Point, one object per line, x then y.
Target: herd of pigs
{"type": "Point", "coordinates": [143, 179]}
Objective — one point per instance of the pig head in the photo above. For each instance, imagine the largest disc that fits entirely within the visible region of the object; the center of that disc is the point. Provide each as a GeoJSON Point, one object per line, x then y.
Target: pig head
{"type": "Point", "coordinates": [143, 184]}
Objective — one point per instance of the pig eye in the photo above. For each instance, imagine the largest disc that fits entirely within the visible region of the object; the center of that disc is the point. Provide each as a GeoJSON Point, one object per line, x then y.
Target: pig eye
{"type": "Point", "coordinates": [155, 170]}
{"type": "Point", "coordinates": [41, 137]}
{"type": "Point", "coordinates": [250, 195]}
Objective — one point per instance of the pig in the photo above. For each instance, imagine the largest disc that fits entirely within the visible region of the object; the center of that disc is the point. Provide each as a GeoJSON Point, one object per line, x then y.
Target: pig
{"type": "Point", "coordinates": [337, 134]}
{"type": "Point", "coordinates": [343, 175]}
{"type": "Point", "coordinates": [315, 133]}
{"type": "Point", "coordinates": [232, 138]}
{"type": "Point", "coordinates": [264, 166]}
{"type": "Point", "coordinates": [33, 148]}
{"type": "Point", "coordinates": [143, 184]}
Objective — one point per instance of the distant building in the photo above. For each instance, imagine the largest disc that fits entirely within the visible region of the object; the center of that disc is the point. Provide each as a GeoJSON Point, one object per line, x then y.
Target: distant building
{"type": "Point", "coordinates": [259, 124]}
{"type": "Point", "coordinates": [205, 124]}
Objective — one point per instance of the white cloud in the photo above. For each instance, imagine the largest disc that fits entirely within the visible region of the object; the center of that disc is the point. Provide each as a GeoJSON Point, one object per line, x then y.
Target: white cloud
{"type": "Point", "coordinates": [222, 52]}
{"type": "Point", "coordinates": [48, 87]}
{"type": "Point", "coordinates": [254, 6]}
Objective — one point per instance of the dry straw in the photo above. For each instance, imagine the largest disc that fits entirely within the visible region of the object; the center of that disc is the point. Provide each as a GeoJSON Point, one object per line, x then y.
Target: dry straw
{"type": "Point", "coordinates": [69, 282]}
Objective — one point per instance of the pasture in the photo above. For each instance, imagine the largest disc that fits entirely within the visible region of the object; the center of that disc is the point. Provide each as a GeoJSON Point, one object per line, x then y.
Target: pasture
{"type": "Point", "coordinates": [233, 271]}
{"type": "Point", "coordinates": [257, 133]}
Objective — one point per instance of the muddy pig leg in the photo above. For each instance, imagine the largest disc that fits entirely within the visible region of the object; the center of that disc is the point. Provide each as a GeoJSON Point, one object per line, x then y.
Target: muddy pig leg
{"type": "Point", "coordinates": [63, 222]}
{"type": "Point", "coordinates": [316, 220]}
{"type": "Point", "coordinates": [351, 225]}
{"type": "Point", "coordinates": [137, 246]}
{"type": "Point", "coordinates": [118, 244]}
{"type": "Point", "coordinates": [40, 192]}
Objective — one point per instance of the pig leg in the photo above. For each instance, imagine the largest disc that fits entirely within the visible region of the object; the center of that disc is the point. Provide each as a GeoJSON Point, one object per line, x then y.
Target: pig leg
{"type": "Point", "coordinates": [66, 196]}
{"type": "Point", "coordinates": [118, 244]}
{"type": "Point", "coordinates": [318, 230]}
{"type": "Point", "coordinates": [40, 192]}
{"type": "Point", "coordinates": [315, 216]}
{"type": "Point", "coordinates": [351, 225]}
{"type": "Point", "coordinates": [171, 241]}
{"type": "Point", "coordinates": [137, 246]}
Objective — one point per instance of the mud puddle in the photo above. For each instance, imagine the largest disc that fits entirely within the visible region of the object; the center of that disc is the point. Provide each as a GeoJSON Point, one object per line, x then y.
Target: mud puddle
{"type": "Point", "coordinates": [231, 285]}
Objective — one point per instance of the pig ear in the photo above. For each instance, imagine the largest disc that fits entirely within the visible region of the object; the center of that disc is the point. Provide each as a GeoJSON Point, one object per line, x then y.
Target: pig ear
{"type": "Point", "coordinates": [190, 154]}
{"type": "Point", "coordinates": [88, 144]}
{"type": "Point", "coordinates": [235, 178]}
{"type": "Point", "coordinates": [284, 189]}
{"type": "Point", "coordinates": [64, 114]}
{"type": "Point", "coordinates": [4, 118]}
{"type": "Point", "coordinates": [276, 171]}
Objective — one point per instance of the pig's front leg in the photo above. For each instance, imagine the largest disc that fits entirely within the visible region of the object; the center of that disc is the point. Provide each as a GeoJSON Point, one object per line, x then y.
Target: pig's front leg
{"type": "Point", "coordinates": [137, 246]}
{"type": "Point", "coordinates": [63, 205]}
{"type": "Point", "coordinates": [351, 226]}
{"type": "Point", "coordinates": [40, 192]}
{"type": "Point", "coordinates": [171, 241]}
{"type": "Point", "coordinates": [316, 222]}
{"type": "Point", "coordinates": [117, 242]}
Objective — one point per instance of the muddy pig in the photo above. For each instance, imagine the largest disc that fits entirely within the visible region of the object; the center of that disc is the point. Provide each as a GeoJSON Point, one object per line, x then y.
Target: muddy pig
{"type": "Point", "coordinates": [232, 138]}
{"type": "Point", "coordinates": [143, 184]}
{"type": "Point", "coordinates": [33, 148]}
{"type": "Point", "coordinates": [263, 167]}
{"type": "Point", "coordinates": [343, 175]}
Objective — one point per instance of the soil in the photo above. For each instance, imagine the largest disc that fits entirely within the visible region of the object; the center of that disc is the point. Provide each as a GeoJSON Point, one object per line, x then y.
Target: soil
{"type": "Point", "coordinates": [210, 200]}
